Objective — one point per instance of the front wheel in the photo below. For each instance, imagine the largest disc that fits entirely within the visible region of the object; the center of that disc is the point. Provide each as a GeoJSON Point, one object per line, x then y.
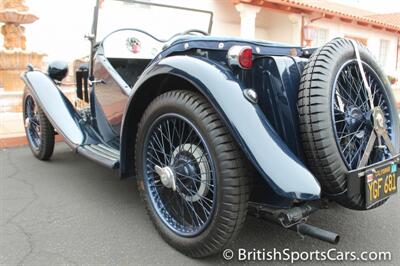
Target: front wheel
{"type": "Point", "coordinates": [38, 129]}
{"type": "Point", "coordinates": [192, 175]}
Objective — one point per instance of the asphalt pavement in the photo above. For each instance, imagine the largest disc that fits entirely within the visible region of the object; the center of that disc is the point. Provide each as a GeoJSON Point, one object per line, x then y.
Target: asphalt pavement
{"type": "Point", "coordinates": [71, 211]}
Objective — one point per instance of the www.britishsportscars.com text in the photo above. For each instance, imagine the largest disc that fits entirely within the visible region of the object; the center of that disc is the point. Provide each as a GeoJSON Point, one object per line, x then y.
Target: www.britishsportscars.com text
{"type": "Point", "coordinates": [291, 256]}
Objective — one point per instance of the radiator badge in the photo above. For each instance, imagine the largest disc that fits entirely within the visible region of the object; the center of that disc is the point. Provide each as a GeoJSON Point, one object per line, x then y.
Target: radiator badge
{"type": "Point", "coordinates": [133, 44]}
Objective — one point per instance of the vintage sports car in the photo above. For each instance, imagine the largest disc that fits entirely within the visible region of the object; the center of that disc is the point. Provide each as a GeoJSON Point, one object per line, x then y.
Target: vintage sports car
{"type": "Point", "coordinates": [214, 128]}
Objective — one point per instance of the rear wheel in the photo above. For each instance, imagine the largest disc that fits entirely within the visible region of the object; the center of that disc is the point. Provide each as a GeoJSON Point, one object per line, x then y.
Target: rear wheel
{"type": "Point", "coordinates": [337, 118]}
{"type": "Point", "coordinates": [38, 129]}
{"type": "Point", "coordinates": [192, 175]}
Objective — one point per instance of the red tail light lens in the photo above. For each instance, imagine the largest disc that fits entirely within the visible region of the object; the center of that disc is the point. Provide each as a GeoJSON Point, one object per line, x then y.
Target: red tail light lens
{"type": "Point", "coordinates": [241, 56]}
{"type": "Point", "coordinates": [246, 57]}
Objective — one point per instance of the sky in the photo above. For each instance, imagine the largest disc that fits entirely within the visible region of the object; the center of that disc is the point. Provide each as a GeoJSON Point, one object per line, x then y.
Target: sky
{"type": "Point", "coordinates": [62, 24]}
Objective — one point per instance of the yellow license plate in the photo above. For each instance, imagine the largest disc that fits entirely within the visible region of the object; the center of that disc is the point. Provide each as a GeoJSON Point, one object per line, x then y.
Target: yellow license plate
{"type": "Point", "coordinates": [381, 183]}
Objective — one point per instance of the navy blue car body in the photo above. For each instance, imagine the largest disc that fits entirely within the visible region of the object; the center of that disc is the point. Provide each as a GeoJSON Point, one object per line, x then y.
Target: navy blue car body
{"type": "Point", "coordinates": [263, 129]}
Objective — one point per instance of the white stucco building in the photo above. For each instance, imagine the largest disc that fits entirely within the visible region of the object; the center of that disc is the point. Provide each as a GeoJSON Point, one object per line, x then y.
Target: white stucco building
{"type": "Point", "coordinates": [307, 22]}
{"type": "Point", "coordinates": [310, 23]}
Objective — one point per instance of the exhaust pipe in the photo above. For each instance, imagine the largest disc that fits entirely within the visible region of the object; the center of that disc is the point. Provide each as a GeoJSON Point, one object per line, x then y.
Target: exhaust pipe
{"type": "Point", "coordinates": [321, 234]}
{"type": "Point", "coordinates": [294, 219]}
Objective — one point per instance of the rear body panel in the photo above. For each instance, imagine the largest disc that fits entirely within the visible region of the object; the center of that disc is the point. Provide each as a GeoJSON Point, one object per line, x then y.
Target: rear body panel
{"type": "Point", "coordinates": [275, 76]}
{"type": "Point", "coordinates": [276, 81]}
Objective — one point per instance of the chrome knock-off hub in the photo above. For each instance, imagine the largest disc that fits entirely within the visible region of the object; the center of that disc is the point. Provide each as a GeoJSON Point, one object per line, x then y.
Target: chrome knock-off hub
{"type": "Point", "coordinates": [379, 121]}
{"type": "Point", "coordinates": [190, 161]}
{"type": "Point", "coordinates": [27, 122]}
{"type": "Point", "coordinates": [167, 176]}
{"type": "Point", "coordinates": [354, 118]}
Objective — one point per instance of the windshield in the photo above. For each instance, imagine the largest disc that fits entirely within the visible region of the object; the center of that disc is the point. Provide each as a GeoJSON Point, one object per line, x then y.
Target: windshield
{"type": "Point", "coordinates": [162, 22]}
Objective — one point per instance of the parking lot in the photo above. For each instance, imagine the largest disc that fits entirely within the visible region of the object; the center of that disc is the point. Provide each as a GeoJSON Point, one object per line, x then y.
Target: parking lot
{"type": "Point", "coordinates": [71, 211]}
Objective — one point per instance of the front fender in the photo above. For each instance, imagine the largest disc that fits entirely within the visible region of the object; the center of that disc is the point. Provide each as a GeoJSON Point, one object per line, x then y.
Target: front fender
{"type": "Point", "coordinates": [271, 157]}
{"type": "Point", "coordinates": [57, 108]}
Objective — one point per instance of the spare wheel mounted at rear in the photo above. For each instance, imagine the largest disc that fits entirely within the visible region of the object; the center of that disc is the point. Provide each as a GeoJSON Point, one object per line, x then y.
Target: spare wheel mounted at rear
{"type": "Point", "coordinates": [338, 119]}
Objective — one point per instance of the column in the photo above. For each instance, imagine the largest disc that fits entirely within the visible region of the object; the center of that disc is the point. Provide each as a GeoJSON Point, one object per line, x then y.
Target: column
{"type": "Point", "coordinates": [248, 15]}
{"type": "Point", "coordinates": [295, 21]}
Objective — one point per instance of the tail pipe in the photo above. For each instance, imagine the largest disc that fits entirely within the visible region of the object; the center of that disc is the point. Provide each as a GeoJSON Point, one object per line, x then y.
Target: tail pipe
{"type": "Point", "coordinates": [318, 233]}
{"type": "Point", "coordinates": [295, 219]}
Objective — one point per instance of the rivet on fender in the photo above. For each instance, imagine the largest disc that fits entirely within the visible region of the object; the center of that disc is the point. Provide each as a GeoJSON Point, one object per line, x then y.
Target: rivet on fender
{"type": "Point", "coordinates": [250, 95]}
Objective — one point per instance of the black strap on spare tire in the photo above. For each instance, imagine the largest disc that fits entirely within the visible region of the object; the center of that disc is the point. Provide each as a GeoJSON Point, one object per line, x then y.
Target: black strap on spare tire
{"type": "Point", "coordinates": [380, 129]}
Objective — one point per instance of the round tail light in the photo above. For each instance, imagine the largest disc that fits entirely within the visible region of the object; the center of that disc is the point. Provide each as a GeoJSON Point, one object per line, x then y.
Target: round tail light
{"type": "Point", "coordinates": [241, 56]}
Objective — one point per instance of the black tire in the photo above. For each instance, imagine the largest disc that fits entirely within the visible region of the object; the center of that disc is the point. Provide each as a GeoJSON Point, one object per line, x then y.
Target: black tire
{"type": "Point", "coordinates": [316, 121]}
{"type": "Point", "coordinates": [42, 146]}
{"type": "Point", "coordinates": [232, 189]}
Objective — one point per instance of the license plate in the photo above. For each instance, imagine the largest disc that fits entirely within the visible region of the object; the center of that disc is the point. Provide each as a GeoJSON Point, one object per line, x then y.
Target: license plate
{"type": "Point", "coordinates": [381, 182]}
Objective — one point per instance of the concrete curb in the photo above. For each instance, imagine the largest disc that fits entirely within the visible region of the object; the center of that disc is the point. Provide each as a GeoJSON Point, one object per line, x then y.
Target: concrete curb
{"type": "Point", "coordinates": [19, 141]}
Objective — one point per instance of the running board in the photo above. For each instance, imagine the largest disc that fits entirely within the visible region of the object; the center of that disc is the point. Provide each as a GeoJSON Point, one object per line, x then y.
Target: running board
{"type": "Point", "coordinates": [101, 154]}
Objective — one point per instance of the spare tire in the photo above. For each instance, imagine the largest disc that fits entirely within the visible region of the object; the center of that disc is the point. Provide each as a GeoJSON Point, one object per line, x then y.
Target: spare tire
{"type": "Point", "coordinates": [335, 116]}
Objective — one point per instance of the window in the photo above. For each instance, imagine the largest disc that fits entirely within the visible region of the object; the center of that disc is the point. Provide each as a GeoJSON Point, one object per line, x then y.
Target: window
{"type": "Point", "coordinates": [320, 37]}
{"type": "Point", "coordinates": [383, 51]}
{"type": "Point", "coordinates": [315, 36]}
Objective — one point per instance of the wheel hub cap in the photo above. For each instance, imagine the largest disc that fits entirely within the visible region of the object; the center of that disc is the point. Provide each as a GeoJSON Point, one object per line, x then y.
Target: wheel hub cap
{"type": "Point", "coordinates": [379, 121]}
{"type": "Point", "coordinates": [167, 176]}
{"type": "Point", "coordinates": [189, 160]}
{"type": "Point", "coordinates": [354, 118]}
{"type": "Point", "coordinates": [27, 122]}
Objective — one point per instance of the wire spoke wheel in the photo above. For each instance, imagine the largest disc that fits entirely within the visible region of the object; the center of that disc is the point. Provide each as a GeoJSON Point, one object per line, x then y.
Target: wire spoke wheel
{"type": "Point", "coordinates": [38, 129]}
{"type": "Point", "coordinates": [192, 176]}
{"type": "Point", "coordinates": [353, 116]}
{"type": "Point", "coordinates": [32, 122]}
{"type": "Point", "coordinates": [344, 124]}
{"type": "Point", "coordinates": [184, 198]}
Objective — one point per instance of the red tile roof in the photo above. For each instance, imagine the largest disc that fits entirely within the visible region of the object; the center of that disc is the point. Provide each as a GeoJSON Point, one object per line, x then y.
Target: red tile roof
{"type": "Point", "coordinates": [389, 18]}
{"type": "Point", "coordinates": [330, 8]}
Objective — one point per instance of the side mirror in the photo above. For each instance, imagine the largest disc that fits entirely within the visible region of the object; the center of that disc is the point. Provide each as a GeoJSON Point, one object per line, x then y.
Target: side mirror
{"type": "Point", "coordinates": [58, 70]}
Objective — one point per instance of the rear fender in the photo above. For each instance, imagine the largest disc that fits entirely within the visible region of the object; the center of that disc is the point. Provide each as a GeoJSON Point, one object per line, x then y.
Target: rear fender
{"type": "Point", "coordinates": [271, 157]}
